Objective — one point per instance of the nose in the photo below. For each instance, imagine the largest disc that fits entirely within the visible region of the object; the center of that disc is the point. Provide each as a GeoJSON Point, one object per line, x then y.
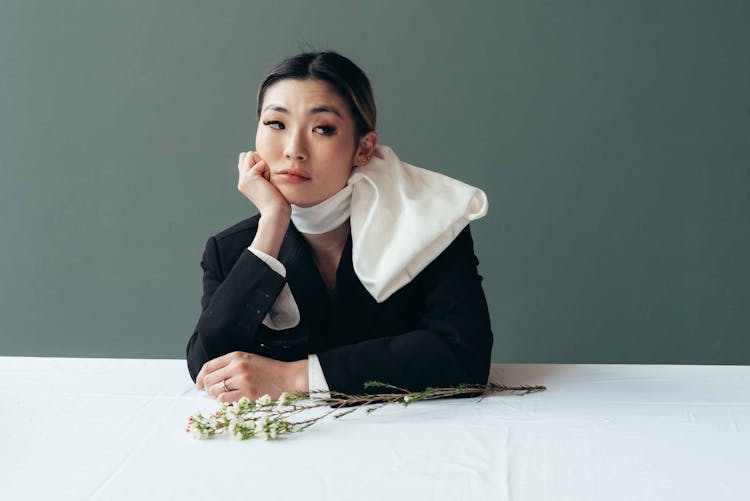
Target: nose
{"type": "Point", "coordinates": [295, 147]}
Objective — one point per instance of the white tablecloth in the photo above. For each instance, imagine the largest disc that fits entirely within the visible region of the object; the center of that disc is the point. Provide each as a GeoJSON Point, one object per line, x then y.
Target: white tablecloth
{"type": "Point", "coordinates": [113, 429]}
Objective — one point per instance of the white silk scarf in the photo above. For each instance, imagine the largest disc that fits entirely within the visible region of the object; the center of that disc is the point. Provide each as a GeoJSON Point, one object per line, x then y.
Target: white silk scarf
{"type": "Point", "coordinates": [402, 217]}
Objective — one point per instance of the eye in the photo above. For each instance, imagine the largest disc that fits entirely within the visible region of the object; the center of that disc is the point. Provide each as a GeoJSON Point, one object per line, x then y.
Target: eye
{"type": "Point", "coordinates": [327, 130]}
{"type": "Point", "coordinates": [270, 122]}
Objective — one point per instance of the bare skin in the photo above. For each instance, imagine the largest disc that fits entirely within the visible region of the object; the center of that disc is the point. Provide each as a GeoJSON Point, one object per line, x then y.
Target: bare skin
{"type": "Point", "coordinates": [327, 249]}
{"type": "Point", "coordinates": [319, 147]}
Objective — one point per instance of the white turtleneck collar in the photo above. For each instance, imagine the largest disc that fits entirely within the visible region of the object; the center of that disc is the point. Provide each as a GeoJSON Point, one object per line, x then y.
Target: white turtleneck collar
{"type": "Point", "coordinates": [325, 216]}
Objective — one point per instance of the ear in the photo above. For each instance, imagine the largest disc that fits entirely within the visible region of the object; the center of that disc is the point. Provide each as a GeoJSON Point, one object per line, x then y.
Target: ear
{"type": "Point", "coordinates": [366, 148]}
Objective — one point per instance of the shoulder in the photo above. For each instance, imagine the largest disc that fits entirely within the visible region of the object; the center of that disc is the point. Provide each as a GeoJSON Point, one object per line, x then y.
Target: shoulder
{"type": "Point", "coordinates": [459, 256]}
{"type": "Point", "coordinates": [225, 247]}
{"type": "Point", "coordinates": [240, 233]}
{"type": "Point", "coordinates": [461, 246]}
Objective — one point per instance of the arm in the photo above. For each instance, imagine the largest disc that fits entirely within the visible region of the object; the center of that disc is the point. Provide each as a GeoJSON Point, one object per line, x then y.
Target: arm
{"type": "Point", "coordinates": [232, 307]}
{"type": "Point", "coordinates": [452, 344]}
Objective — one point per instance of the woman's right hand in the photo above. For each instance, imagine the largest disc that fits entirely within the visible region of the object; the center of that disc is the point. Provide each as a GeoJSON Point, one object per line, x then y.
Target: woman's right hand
{"type": "Point", "coordinates": [254, 182]}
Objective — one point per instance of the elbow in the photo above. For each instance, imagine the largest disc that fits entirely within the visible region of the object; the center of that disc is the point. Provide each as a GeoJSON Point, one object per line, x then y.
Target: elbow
{"type": "Point", "coordinates": [474, 359]}
{"type": "Point", "coordinates": [475, 369]}
{"type": "Point", "coordinates": [195, 356]}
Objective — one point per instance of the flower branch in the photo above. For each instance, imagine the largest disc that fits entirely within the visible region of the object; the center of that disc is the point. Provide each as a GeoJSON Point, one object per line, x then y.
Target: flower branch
{"type": "Point", "coordinates": [269, 419]}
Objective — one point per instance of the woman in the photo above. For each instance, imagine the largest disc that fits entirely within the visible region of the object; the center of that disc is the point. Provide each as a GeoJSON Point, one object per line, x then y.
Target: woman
{"type": "Point", "coordinates": [296, 297]}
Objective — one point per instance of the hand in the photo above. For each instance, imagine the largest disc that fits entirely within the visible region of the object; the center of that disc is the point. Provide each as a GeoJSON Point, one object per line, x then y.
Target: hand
{"type": "Point", "coordinates": [252, 376]}
{"type": "Point", "coordinates": [254, 182]}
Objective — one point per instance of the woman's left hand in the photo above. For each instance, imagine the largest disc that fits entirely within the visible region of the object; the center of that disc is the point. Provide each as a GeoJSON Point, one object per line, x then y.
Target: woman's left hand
{"type": "Point", "coordinates": [252, 376]}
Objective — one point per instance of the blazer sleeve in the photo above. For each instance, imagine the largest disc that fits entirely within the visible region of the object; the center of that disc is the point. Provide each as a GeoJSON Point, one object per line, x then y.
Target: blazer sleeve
{"type": "Point", "coordinates": [233, 307]}
{"type": "Point", "coordinates": [452, 343]}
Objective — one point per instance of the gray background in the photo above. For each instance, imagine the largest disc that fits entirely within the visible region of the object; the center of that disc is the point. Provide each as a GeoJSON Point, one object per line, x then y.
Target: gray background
{"type": "Point", "coordinates": [612, 139]}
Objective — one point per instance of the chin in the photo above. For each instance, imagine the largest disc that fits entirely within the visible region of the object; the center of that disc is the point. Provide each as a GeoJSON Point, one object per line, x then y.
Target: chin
{"type": "Point", "coordinates": [304, 203]}
{"type": "Point", "coordinates": [294, 196]}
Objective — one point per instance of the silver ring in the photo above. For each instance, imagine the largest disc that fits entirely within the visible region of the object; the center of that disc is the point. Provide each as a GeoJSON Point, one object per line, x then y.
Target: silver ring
{"type": "Point", "coordinates": [224, 386]}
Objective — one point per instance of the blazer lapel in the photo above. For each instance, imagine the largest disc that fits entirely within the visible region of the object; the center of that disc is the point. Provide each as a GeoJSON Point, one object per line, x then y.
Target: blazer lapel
{"type": "Point", "coordinates": [354, 309]}
{"type": "Point", "coordinates": [307, 286]}
{"type": "Point", "coordinates": [346, 317]}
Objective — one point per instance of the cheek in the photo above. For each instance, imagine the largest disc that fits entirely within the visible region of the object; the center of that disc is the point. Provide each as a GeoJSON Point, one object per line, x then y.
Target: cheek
{"type": "Point", "coordinates": [264, 145]}
{"type": "Point", "coordinates": [341, 175]}
{"type": "Point", "coordinates": [261, 138]}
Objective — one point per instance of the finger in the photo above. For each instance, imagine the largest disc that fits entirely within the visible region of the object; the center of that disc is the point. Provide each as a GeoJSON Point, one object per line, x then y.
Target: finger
{"type": "Point", "coordinates": [266, 172]}
{"type": "Point", "coordinates": [250, 160]}
{"type": "Point", "coordinates": [260, 168]}
{"type": "Point", "coordinates": [255, 164]}
{"type": "Point", "coordinates": [217, 389]}
{"type": "Point", "coordinates": [257, 159]}
{"type": "Point", "coordinates": [212, 365]}
{"type": "Point", "coordinates": [254, 157]}
{"type": "Point", "coordinates": [217, 376]}
{"type": "Point", "coordinates": [243, 164]}
{"type": "Point", "coordinates": [214, 390]}
{"type": "Point", "coordinates": [229, 396]}
{"type": "Point", "coordinates": [207, 369]}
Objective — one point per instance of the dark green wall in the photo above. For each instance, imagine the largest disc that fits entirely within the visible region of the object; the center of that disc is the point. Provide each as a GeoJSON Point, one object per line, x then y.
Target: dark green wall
{"type": "Point", "coordinates": [612, 138]}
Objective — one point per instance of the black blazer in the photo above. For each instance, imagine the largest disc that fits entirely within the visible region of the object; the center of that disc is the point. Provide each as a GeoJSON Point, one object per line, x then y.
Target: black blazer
{"type": "Point", "coordinates": [435, 331]}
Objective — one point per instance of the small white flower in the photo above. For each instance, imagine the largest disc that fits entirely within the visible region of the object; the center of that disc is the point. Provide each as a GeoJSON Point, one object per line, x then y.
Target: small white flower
{"type": "Point", "coordinates": [407, 398]}
{"type": "Point", "coordinates": [196, 432]}
{"type": "Point", "coordinates": [237, 430]}
{"type": "Point", "coordinates": [260, 424]}
{"type": "Point", "coordinates": [264, 428]}
{"type": "Point", "coordinates": [264, 400]}
{"type": "Point", "coordinates": [276, 428]}
{"type": "Point", "coordinates": [284, 399]}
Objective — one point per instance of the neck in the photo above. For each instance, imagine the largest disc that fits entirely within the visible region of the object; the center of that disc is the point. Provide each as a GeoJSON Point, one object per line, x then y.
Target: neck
{"type": "Point", "coordinates": [331, 241]}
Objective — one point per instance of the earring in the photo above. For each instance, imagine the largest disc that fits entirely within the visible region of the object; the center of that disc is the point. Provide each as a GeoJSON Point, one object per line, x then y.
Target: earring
{"type": "Point", "coordinates": [367, 159]}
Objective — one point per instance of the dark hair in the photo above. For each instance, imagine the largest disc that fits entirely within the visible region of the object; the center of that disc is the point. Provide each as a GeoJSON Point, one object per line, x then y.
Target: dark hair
{"type": "Point", "coordinates": [342, 74]}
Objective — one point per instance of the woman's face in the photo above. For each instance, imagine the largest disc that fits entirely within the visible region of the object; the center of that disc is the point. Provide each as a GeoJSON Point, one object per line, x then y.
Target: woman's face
{"type": "Point", "coordinates": [306, 127]}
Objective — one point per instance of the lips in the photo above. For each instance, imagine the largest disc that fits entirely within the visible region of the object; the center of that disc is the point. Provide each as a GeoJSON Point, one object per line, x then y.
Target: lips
{"type": "Point", "coordinates": [294, 172]}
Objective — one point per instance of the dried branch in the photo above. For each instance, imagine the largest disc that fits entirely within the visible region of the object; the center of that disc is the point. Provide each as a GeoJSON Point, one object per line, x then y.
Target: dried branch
{"type": "Point", "coordinates": [269, 419]}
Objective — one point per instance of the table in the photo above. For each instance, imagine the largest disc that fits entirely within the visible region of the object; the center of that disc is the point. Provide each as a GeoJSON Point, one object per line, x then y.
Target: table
{"type": "Point", "coordinates": [111, 429]}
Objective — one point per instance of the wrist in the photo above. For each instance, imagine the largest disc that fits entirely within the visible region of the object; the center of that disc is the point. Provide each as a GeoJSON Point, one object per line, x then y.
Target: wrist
{"type": "Point", "coordinates": [277, 215]}
{"type": "Point", "coordinates": [270, 234]}
{"type": "Point", "coordinates": [299, 380]}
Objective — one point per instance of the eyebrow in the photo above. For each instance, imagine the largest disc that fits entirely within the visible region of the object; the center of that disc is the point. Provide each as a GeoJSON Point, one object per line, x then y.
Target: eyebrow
{"type": "Point", "coordinates": [317, 109]}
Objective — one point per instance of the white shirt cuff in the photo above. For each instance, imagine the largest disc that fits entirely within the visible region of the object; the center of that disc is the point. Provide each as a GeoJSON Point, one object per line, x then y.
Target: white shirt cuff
{"type": "Point", "coordinates": [271, 261]}
{"type": "Point", "coordinates": [284, 313]}
{"type": "Point", "coordinates": [316, 378]}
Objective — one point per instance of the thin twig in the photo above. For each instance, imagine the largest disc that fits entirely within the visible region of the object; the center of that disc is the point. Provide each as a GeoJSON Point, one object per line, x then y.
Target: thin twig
{"type": "Point", "coordinates": [268, 419]}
